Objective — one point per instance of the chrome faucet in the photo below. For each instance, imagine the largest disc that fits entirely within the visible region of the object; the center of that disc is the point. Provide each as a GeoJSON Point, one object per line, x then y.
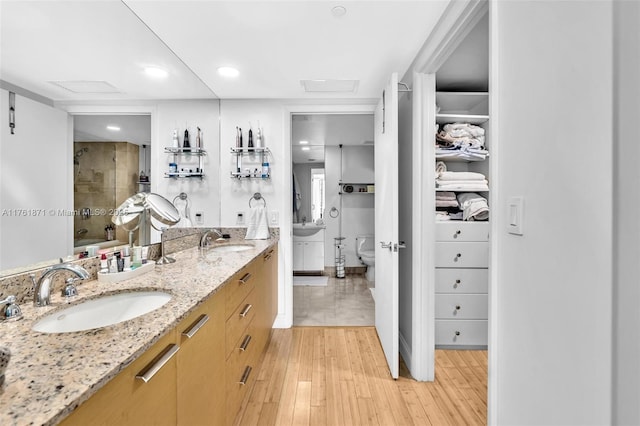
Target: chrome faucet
{"type": "Point", "coordinates": [304, 220]}
{"type": "Point", "coordinates": [42, 288]}
{"type": "Point", "coordinates": [204, 241]}
{"type": "Point", "coordinates": [9, 309]}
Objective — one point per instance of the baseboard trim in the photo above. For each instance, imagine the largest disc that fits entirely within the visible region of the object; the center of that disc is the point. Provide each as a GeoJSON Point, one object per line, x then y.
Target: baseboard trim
{"type": "Point", "coordinates": [405, 351]}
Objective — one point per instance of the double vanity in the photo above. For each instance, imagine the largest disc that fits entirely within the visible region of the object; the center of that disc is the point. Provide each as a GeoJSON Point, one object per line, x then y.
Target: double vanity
{"type": "Point", "coordinates": [185, 350]}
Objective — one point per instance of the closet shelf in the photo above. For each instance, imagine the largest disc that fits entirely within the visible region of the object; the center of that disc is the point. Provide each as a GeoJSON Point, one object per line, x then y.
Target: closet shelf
{"type": "Point", "coordinates": [456, 159]}
{"type": "Point", "coordinates": [461, 118]}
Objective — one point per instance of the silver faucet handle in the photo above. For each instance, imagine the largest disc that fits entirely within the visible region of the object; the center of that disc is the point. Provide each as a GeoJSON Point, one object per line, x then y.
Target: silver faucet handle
{"type": "Point", "coordinates": [70, 289]}
{"type": "Point", "coordinates": [11, 310]}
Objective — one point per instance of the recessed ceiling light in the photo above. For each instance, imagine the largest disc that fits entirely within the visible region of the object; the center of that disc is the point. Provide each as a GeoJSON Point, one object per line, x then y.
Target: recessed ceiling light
{"type": "Point", "coordinates": [113, 128]}
{"type": "Point", "coordinates": [305, 148]}
{"type": "Point", "coordinates": [338, 11]}
{"type": "Point", "coordinates": [156, 72]}
{"type": "Point", "coordinates": [304, 142]}
{"type": "Point", "coordinates": [228, 71]}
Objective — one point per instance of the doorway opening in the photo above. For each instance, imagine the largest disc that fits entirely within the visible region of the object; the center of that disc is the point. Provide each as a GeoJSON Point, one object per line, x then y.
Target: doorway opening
{"type": "Point", "coordinates": [333, 210]}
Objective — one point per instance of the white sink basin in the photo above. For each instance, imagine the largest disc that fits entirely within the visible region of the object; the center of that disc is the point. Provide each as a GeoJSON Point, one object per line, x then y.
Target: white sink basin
{"type": "Point", "coordinates": [306, 230]}
{"type": "Point", "coordinates": [231, 248]}
{"type": "Point", "coordinates": [102, 312]}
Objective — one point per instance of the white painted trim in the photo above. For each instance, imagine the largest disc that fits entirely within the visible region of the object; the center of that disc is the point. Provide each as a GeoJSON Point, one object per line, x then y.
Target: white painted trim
{"type": "Point", "coordinates": [456, 22]}
{"type": "Point", "coordinates": [285, 305]}
{"type": "Point", "coordinates": [496, 213]}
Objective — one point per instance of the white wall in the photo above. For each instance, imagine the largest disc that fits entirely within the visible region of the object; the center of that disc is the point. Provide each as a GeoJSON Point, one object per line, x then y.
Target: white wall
{"type": "Point", "coordinates": [356, 210]}
{"type": "Point", "coordinates": [626, 251]}
{"type": "Point", "coordinates": [551, 306]}
{"type": "Point", "coordinates": [203, 194]}
{"type": "Point", "coordinates": [33, 162]}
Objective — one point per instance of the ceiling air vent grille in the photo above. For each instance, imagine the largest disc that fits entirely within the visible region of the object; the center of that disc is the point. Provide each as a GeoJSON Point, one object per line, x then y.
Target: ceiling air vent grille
{"type": "Point", "coordinates": [86, 86]}
{"type": "Point", "coordinates": [345, 86]}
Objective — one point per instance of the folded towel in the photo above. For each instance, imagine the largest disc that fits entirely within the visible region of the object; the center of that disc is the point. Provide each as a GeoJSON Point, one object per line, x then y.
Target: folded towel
{"type": "Point", "coordinates": [441, 167]}
{"type": "Point", "coordinates": [446, 195]}
{"type": "Point", "coordinates": [440, 182]}
{"type": "Point", "coordinates": [461, 176]}
{"type": "Point", "coordinates": [474, 206]}
{"type": "Point", "coordinates": [446, 203]}
{"type": "Point", "coordinates": [258, 228]}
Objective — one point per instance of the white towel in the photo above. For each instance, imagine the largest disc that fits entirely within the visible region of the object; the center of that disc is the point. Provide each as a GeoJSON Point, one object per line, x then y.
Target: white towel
{"type": "Point", "coordinates": [474, 206]}
{"type": "Point", "coordinates": [258, 228]}
{"type": "Point", "coordinates": [441, 167]}
{"type": "Point", "coordinates": [461, 176]}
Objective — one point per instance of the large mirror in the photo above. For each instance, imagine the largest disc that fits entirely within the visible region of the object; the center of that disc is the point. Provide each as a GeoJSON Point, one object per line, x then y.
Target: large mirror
{"type": "Point", "coordinates": [39, 163]}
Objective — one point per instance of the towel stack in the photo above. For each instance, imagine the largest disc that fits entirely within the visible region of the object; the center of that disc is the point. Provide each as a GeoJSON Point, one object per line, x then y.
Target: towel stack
{"type": "Point", "coordinates": [446, 199]}
{"type": "Point", "coordinates": [461, 140]}
{"type": "Point", "coordinates": [461, 181]}
{"type": "Point", "coordinates": [474, 206]}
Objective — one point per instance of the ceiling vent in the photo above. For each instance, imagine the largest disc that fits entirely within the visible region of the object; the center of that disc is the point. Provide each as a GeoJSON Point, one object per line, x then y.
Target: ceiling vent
{"type": "Point", "coordinates": [86, 86]}
{"type": "Point", "coordinates": [345, 86]}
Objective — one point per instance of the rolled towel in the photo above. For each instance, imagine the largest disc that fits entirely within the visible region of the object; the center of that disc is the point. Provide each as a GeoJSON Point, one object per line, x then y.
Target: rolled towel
{"type": "Point", "coordinates": [461, 176]}
{"type": "Point", "coordinates": [474, 206]}
{"type": "Point", "coordinates": [441, 167]}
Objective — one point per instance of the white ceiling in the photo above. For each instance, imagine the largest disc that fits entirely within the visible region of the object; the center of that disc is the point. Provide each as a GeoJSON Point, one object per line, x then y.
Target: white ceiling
{"type": "Point", "coordinates": [134, 129]}
{"type": "Point", "coordinates": [321, 130]}
{"type": "Point", "coordinates": [274, 44]}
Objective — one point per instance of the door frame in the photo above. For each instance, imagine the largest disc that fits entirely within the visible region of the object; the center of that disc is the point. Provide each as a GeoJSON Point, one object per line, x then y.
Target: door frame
{"type": "Point", "coordinates": [285, 302]}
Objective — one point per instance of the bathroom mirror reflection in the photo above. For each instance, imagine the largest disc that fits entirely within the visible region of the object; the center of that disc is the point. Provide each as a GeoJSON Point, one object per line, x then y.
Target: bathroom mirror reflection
{"type": "Point", "coordinates": [111, 162]}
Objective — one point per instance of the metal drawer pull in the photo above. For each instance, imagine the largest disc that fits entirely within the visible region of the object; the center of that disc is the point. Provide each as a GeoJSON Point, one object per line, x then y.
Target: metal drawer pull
{"type": "Point", "coordinates": [246, 310]}
{"type": "Point", "coordinates": [245, 376]}
{"type": "Point", "coordinates": [457, 333]}
{"type": "Point", "coordinates": [457, 307]}
{"type": "Point", "coordinates": [456, 234]}
{"type": "Point", "coordinates": [246, 277]}
{"type": "Point", "coordinates": [197, 326]}
{"type": "Point", "coordinates": [245, 343]}
{"type": "Point", "coordinates": [159, 362]}
{"type": "Point", "coordinates": [456, 284]}
{"type": "Point", "coordinates": [458, 256]}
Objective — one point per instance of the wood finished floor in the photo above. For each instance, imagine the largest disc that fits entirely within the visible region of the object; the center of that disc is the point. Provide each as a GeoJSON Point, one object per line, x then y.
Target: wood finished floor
{"type": "Point", "coordinates": [338, 376]}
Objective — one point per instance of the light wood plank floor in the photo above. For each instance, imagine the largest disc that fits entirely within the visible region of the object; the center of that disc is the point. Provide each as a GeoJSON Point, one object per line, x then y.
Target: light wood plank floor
{"type": "Point", "coordinates": [338, 376]}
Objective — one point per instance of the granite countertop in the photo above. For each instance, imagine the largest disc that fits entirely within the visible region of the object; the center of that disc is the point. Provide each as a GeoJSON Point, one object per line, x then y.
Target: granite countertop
{"type": "Point", "coordinates": [50, 374]}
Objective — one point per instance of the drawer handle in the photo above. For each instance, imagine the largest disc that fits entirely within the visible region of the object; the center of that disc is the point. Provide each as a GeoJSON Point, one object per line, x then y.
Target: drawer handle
{"type": "Point", "coordinates": [245, 376]}
{"type": "Point", "coordinates": [246, 310]}
{"type": "Point", "coordinates": [456, 284]}
{"type": "Point", "coordinates": [245, 343]}
{"type": "Point", "coordinates": [457, 333]}
{"type": "Point", "coordinates": [456, 234]}
{"type": "Point", "coordinates": [458, 256]}
{"type": "Point", "coordinates": [197, 326]}
{"type": "Point", "coordinates": [246, 277]}
{"type": "Point", "coordinates": [159, 362]}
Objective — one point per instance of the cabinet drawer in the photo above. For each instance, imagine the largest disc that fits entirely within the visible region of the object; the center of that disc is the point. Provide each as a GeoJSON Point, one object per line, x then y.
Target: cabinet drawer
{"type": "Point", "coordinates": [462, 306]}
{"type": "Point", "coordinates": [462, 231]}
{"type": "Point", "coordinates": [461, 332]}
{"type": "Point", "coordinates": [239, 320]}
{"type": "Point", "coordinates": [239, 286]}
{"type": "Point", "coordinates": [462, 255]}
{"type": "Point", "coordinates": [454, 280]}
{"type": "Point", "coordinates": [240, 379]}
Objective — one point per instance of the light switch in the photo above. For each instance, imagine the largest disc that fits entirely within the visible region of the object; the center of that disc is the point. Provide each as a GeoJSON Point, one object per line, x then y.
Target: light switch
{"type": "Point", "coordinates": [240, 218]}
{"type": "Point", "coordinates": [274, 219]}
{"type": "Point", "coordinates": [199, 218]}
{"type": "Point", "coordinates": [515, 215]}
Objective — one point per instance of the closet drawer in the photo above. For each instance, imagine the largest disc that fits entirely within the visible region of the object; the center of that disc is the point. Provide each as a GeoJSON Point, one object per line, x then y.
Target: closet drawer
{"type": "Point", "coordinates": [461, 333]}
{"type": "Point", "coordinates": [462, 231]}
{"type": "Point", "coordinates": [462, 306]}
{"type": "Point", "coordinates": [454, 280]}
{"type": "Point", "coordinates": [462, 255]}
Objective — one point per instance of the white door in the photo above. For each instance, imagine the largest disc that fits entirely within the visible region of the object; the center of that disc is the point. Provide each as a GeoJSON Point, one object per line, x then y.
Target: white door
{"type": "Point", "coordinates": [386, 223]}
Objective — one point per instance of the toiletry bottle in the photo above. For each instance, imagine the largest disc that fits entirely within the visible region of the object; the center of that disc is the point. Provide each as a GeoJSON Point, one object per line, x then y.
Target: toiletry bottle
{"type": "Point", "coordinates": [126, 255]}
{"type": "Point", "coordinates": [136, 257]}
{"type": "Point", "coordinates": [250, 140]}
{"type": "Point", "coordinates": [185, 143]}
{"type": "Point", "coordinates": [145, 254]}
{"type": "Point", "coordinates": [265, 170]}
{"type": "Point", "coordinates": [198, 138]}
{"type": "Point", "coordinates": [113, 265]}
{"type": "Point", "coordinates": [104, 265]}
{"type": "Point", "coordinates": [258, 137]}
{"type": "Point", "coordinates": [175, 142]}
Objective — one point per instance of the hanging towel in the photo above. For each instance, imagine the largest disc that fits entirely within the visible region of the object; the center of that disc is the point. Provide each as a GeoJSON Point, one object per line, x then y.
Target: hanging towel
{"type": "Point", "coordinates": [258, 228]}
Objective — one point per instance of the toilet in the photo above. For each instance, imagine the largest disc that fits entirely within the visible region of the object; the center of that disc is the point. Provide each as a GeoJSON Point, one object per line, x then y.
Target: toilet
{"type": "Point", "coordinates": [365, 250]}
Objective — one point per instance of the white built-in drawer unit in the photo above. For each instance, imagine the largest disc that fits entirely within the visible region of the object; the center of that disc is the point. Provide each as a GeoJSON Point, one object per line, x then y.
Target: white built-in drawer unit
{"type": "Point", "coordinates": [461, 300]}
{"type": "Point", "coordinates": [455, 333]}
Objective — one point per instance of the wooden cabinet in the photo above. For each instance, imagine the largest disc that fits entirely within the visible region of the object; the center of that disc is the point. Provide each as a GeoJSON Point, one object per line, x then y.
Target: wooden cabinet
{"type": "Point", "coordinates": [143, 393]}
{"type": "Point", "coordinates": [201, 368]}
{"type": "Point", "coordinates": [200, 372]}
{"type": "Point", "coordinates": [461, 300]}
